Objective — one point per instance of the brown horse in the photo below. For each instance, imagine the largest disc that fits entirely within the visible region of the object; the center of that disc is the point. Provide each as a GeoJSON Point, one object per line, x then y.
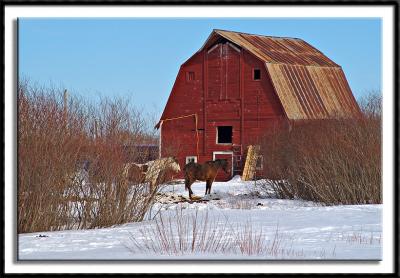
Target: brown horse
{"type": "Point", "coordinates": [203, 172]}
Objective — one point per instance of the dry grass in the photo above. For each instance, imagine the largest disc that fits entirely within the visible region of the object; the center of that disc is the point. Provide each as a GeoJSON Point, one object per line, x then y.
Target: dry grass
{"type": "Point", "coordinates": [250, 241]}
{"type": "Point", "coordinates": [194, 233]}
{"type": "Point", "coordinates": [237, 202]}
{"type": "Point", "coordinates": [182, 234]}
{"type": "Point", "coordinates": [334, 161]}
{"type": "Point", "coordinates": [55, 139]}
{"type": "Point", "coordinates": [361, 237]}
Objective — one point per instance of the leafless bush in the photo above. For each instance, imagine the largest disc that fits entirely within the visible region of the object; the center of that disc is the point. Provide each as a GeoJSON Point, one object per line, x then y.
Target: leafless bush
{"type": "Point", "coordinates": [335, 161]}
{"type": "Point", "coordinates": [181, 234]}
{"type": "Point", "coordinates": [192, 233]}
{"type": "Point", "coordinates": [49, 142]}
{"type": "Point", "coordinates": [57, 136]}
{"type": "Point", "coordinates": [371, 105]}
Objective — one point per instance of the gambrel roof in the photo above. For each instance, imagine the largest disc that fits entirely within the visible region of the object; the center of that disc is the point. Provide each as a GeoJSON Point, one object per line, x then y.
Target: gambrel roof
{"type": "Point", "coordinates": [308, 84]}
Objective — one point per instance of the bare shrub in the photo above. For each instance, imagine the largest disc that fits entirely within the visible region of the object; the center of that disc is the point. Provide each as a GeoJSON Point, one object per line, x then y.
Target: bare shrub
{"type": "Point", "coordinates": [113, 125]}
{"type": "Point", "coordinates": [71, 161]}
{"type": "Point", "coordinates": [49, 142]}
{"type": "Point", "coordinates": [181, 234]}
{"type": "Point", "coordinates": [193, 233]}
{"type": "Point", "coordinates": [336, 161]}
{"type": "Point", "coordinates": [371, 105]}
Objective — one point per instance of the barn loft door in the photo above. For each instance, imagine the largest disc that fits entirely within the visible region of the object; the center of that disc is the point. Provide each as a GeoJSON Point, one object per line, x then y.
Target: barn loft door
{"type": "Point", "coordinates": [214, 69]}
{"type": "Point", "coordinates": [223, 67]}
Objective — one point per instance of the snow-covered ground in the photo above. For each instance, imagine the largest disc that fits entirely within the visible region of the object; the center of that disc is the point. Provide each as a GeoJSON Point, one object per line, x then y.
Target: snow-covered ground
{"type": "Point", "coordinates": [237, 222]}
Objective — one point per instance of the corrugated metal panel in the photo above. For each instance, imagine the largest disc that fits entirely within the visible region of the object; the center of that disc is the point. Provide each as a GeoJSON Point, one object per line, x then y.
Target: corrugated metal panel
{"type": "Point", "coordinates": [312, 92]}
{"type": "Point", "coordinates": [309, 85]}
{"type": "Point", "coordinates": [279, 50]}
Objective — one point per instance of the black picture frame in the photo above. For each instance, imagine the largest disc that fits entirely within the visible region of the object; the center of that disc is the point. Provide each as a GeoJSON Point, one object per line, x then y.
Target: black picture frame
{"type": "Point", "coordinates": [393, 4]}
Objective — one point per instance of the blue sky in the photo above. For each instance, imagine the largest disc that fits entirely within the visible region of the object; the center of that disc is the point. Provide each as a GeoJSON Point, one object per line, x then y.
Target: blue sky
{"type": "Point", "coordinates": [140, 58]}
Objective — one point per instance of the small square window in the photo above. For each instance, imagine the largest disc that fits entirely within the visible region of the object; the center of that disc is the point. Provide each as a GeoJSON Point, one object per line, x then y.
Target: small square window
{"type": "Point", "coordinates": [191, 159]}
{"type": "Point", "coordinates": [224, 135]}
{"type": "Point", "coordinates": [257, 74]}
{"type": "Point", "coordinates": [190, 76]}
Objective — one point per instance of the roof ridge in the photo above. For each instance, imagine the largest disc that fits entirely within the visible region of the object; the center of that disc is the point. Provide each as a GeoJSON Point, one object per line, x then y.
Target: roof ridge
{"type": "Point", "coordinates": [257, 34]}
{"type": "Point", "coordinates": [262, 47]}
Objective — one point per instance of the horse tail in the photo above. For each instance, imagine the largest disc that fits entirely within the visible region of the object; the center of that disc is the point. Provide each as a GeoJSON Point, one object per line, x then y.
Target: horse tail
{"type": "Point", "coordinates": [186, 177]}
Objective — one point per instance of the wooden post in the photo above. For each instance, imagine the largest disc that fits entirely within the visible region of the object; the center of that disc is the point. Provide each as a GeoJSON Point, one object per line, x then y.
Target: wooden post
{"type": "Point", "coordinates": [251, 162]}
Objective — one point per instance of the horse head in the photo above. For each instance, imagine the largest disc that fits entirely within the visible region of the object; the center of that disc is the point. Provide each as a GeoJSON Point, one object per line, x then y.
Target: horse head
{"type": "Point", "coordinates": [174, 164]}
{"type": "Point", "coordinates": [224, 165]}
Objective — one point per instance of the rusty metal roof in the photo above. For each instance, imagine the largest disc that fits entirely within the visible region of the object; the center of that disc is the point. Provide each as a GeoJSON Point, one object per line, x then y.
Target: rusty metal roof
{"type": "Point", "coordinates": [312, 92]}
{"type": "Point", "coordinates": [279, 49]}
{"type": "Point", "coordinates": [308, 84]}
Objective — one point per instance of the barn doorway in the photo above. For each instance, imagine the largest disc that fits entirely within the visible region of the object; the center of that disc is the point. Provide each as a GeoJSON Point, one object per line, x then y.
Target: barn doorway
{"type": "Point", "coordinates": [224, 135]}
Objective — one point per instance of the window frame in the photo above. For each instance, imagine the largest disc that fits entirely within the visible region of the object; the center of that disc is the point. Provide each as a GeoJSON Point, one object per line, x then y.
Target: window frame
{"type": "Point", "coordinates": [190, 73]}
{"type": "Point", "coordinates": [254, 74]}
{"type": "Point", "coordinates": [216, 138]}
{"type": "Point", "coordinates": [194, 157]}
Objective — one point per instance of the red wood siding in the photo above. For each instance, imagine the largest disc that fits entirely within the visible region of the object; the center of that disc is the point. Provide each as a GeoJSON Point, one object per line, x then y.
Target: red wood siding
{"type": "Point", "coordinates": [262, 108]}
{"type": "Point", "coordinates": [222, 94]}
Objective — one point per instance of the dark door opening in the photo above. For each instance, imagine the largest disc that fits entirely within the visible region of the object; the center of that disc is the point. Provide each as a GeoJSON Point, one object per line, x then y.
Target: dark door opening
{"type": "Point", "coordinates": [224, 135]}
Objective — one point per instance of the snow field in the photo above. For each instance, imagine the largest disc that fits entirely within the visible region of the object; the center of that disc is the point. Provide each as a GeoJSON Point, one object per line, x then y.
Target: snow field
{"type": "Point", "coordinates": [236, 222]}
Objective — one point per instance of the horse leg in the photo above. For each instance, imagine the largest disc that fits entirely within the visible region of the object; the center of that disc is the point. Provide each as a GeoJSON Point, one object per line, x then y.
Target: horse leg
{"type": "Point", "coordinates": [190, 192]}
{"type": "Point", "coordinates": [188, 185]}
{"type": "Point", "coordinates": [208, 186]}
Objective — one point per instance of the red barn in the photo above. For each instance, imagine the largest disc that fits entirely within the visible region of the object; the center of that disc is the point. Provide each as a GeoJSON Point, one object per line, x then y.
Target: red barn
{"type": "Point", "coordinates": [239, 85]}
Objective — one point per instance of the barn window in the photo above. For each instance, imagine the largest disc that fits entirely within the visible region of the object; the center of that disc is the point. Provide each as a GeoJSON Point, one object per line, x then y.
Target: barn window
{"type": "Point", "coordinates": [191, 159]}
{"type": "Point", "coordinates": [224, 135]}
{"type": "Point", "coordinates": [257, 74]}
{"type": "Point", "coordinates": [190, 76]}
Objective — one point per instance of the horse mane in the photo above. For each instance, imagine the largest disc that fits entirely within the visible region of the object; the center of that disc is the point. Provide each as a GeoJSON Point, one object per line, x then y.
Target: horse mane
{"type": "Point", "coordinates": [217, 161]}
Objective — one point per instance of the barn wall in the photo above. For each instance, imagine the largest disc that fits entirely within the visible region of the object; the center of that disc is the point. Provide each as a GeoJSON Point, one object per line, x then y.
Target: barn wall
{"type": "Point", "coordinates": [262, 109]}
{"type": "Point", "coordinates": [223, 93]}
{"type": "Point", "coordinates": [178, 137]}
{"type": "Point", "coordinates": [185, 97]}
